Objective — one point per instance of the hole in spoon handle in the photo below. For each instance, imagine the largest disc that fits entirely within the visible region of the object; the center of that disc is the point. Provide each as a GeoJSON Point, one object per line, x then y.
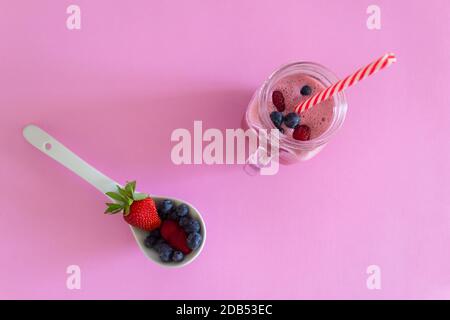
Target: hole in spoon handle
{"type": "Point", "coordinates": [48, 146]}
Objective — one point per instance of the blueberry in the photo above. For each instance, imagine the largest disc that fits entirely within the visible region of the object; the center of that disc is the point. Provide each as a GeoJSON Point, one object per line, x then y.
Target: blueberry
{"type": "Point", "coordinates": [164, 247]}
{"type": "Point", "coordinates": [306, 91]}
{"type": "Point", "coordinates": [159, 243]}
{"type": "Point", "coordinates": [165, 253]}
{"type": "Point", "coordinates": [166, 205]}
{"type": "Point", "coordinates": [173, 214]}
{"type": "Point", "coordinates": [277, 118]}
{"type": "Point", "coordinates": [164, 208]}
{"type": "Point", "coordinates": [184, 221]}
{"type": "Point", "coordinates": [292, 120]}
{"type": "Point", "coordinates": [194, 240]}
{"type": "Point", "coordinates": [178, 256]}
{"type": "Point", "coordinates": [192, 226]}
{"type": "Point", "coordinates": [182, 210]}
{"type": "Point", "coordinates": [150, 241]}
{"type": "Point", "coordinates": [155, 233]}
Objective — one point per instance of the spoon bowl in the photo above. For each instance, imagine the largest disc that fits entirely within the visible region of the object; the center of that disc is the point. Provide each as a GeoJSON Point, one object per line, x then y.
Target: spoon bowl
{"type": "Point", "coordinates": [57, 151]}
{"type": "Point", "coordinates": [140, 236]}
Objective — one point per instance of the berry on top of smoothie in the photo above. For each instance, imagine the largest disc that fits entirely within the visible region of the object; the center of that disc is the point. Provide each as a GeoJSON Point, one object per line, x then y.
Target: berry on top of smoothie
{"type": "Point", "coordinates": [277, 118]}
{"type": "Point", "coordinates": [306, 90]}
{"type": "Point", "coordinates": [302, 133]}
{"type": "Point", "coordinates": [278, 100]}
{"type": "Point", "coordinates": [292, 120]}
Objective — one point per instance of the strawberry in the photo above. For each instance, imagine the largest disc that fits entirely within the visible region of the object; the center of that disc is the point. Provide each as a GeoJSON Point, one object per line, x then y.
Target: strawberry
{"type": "Point", "coordinates": [175, 236]}
{"type": "Point", "coordinates": [138, 209]}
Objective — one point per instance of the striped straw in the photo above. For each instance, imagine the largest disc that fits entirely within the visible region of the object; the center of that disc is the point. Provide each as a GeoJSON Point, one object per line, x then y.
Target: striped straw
{"type": "Point", "coordinates": [377, 65]}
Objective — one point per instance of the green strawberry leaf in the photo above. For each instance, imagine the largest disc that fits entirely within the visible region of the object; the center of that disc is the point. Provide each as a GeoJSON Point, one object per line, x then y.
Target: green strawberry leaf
{"type": "Point", "coordinates": [133, 185]}
{"type": "Point", "coordinates": [123, 193]}
{"type": "Point", "coordinates": [113, 207]}
{"type": "Point", "coordinates": [140, 196]}
{"type": "Point", "coordinates": [110, 204]}
{"type": "Point", "coordinates": [115, 196]}
{"type": "Point", "coordinates": [126, 211]}
{"type": "Point", "coordinates": [130, 188]}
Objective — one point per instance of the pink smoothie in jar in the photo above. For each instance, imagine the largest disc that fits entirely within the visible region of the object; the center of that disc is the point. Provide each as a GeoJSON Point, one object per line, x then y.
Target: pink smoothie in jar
{"type": "Point", "coordinates": [317, 119]}
{"type": "Point", "coordinates": [323, 119]}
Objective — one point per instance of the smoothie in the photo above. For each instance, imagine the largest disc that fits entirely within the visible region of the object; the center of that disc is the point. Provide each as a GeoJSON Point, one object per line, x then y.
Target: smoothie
{"type": "Point", "coordinates": [318, 119]}
{"type": "Point", "coordinates": [303, 138]}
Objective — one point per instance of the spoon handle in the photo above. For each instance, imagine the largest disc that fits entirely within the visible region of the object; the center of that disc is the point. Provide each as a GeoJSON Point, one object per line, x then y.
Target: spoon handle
{"type": "Point", "coordinates": [56, 150]}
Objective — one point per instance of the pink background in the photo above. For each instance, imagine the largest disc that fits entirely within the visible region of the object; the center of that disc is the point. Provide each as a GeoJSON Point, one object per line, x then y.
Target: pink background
{"type": "Point", "coordinates": [115, 90]}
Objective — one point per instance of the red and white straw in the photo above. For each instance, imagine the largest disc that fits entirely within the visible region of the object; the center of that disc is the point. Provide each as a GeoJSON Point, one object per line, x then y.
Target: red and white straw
{"type": "Point", "coordinates": [377, 65]}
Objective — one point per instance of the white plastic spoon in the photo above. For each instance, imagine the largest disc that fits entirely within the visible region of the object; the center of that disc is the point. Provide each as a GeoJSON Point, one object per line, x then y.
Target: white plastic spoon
{"type": "Point", "coordinates": [54, 149]}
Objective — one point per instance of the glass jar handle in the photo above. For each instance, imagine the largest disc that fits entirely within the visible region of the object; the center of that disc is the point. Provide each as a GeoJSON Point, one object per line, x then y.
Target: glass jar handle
{"type": "Point", "coordinates": [256, 161]}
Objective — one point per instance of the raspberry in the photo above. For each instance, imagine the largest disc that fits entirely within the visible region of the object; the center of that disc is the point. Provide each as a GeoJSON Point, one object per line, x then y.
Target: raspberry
{"type": "Point", "coordinates": [175, 236]}
{"type": "Point", "coordinates": [302, 133]}
{"type": "Point", "coordinates": [278, 100]}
